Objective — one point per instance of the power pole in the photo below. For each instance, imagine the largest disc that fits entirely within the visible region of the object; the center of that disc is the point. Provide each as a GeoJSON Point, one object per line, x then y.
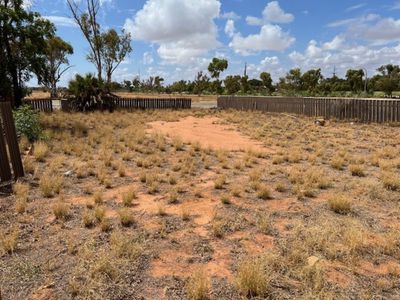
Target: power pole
{"type": "Point", "coordinates": [245, 69]}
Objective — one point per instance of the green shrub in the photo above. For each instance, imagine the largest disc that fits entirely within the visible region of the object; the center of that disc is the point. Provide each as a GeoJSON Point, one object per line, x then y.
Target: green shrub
{"type": "Point", "coordinates": [27, 123]}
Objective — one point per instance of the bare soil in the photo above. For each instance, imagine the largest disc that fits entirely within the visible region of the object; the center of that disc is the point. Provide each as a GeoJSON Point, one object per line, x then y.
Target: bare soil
{"type": "Point", "coordinates": [211, 190]}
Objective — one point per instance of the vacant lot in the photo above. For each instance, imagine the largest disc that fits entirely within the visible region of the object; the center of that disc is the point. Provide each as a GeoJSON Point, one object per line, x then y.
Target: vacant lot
{"type": "Point", "coordinates": [203, 204]}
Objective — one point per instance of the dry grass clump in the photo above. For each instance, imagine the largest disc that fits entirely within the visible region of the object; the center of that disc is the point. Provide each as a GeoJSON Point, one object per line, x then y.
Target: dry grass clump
{"type": "Point", "coordinates": [124, 246]}
{"type": "Point", "coordinates": [40, 151]}
{"type": "Point", "coordinates": [337, 162]}
{"type": "Point", "coordinates": [9, 242]}
{"type": "Point", "coordinates": [391, 181]}
{"type": "Point", "coordinates": [61, 210]}
{"type": "Point", "coordinates": [280, 187]}
{"type": "Point", "coordinates": [340, 204]}
{"type": "Point", "coordinates": [50, 184]}
{"type": "Point", "coordinates": [252, 278]}
{"type": "Point", "coordinates": [177, 143]}
{"type": "Point", "coordinates": [128, 197]}
{"type": "Point", "coordinates": [106, 225]}
{"type": "Point", "coordinates": [89, 218]}
{"type": "Point", "coordinates": [198, 286]}
{"type": "Point", "coordinates": [98, 198]}
{"type": "Point", "coordinates": [173, 197]}
{"type": "Point", "coordinates": [357, 170]}
{"type": "Point", "coordinates": [29, 166]}
{"type": "Point", "coordinates": [264, 223]}
{"type": "Point", "coordinates": [185, 213]}
{"type": "Point", "coordinates": [126, 217]}
{"type": "Point", "coordinates": [105, 267]}
{"type": "Point", "coordinates": [316, 177]}
{"type": "Point", "coordinates": [218, 228]}
{"type": "Point", "coordinates": [161, 210]}
{"type": "Point", "coordinates": [225, 199]}
{"type": "Point", "coordinates": [220, 182]}
{"type": "Point", "coordinates": [21, 191]}
{"type": "Point", "coordinates": [100, 213]}
{"type": "Point", "coordinates": [264, 192]}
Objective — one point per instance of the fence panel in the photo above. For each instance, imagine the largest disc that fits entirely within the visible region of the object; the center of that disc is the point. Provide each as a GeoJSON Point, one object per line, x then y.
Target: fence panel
{"type": "Point", "coordinates": [43, 105]}
{"type": "Point", "coordinates": [9, 140]}
{"type": "Point", "coordinates": [363, 110]}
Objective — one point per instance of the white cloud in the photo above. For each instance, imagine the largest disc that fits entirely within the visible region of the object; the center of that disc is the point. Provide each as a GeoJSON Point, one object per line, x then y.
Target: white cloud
{"type": "Point", "coordinates": [230, 28]}
{"type": "Point", "coordinates": [269, 64]}
{"type": "Point", "coordinates": [271, 37]}
{"type": "Point", "coordinates": [61, 21]}
{"type": "Point", "coordinates": [254, 21]}
{"type": "Point", "coordinates": [344, 57]}
{"type": "Point", "coordinates": [147, 58]}
{"type": "Point", "coordinates": [385, 30]}
{"type": "Point", "coordinates": [354, 21]}
{"type": "Point", "coordinates": [183, 29]}
{"type": "Point", "coordinates": [335, 44]}
{"type": "Point", "coordinates": [355, 7]}
{"type": "Point", "coordinates": [230, 15]}
{"type": "Point", "coordinates": [372, 28]}
{"type": "Point", "coordinates": [274, 13]}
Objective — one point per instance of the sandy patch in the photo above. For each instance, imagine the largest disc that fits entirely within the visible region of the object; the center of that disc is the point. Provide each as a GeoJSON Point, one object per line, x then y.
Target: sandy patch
{"type": "Point", "coordinates": [209, 132]}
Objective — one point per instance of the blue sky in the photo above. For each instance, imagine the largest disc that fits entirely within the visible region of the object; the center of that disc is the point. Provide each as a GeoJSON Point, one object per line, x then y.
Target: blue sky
{"type": "Point", "coordinates": [176, 38]}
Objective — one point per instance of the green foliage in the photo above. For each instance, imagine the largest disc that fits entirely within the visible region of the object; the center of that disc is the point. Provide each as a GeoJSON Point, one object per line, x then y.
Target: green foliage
{"type": "Point", "coordinates": [267, 82]}
{"type": "Point", "coordinates": [27, 123]}
{"type": "Point", "coordinates": [217, 66]}
{"type": "Point", "coordinates": [23, 37]}
{"type": "Point", "coordinates": [56, 54]}
{"type": "Point", "coordinates": [201, 83]}
{"type": "Point", "coordinates": [114, 50]}
{"type": "Point", "coordinates": [355, 80]}
{"type": "Point", "coordinates": [88, 94]}
{"type": "Point", "coordinates": [232, 84]}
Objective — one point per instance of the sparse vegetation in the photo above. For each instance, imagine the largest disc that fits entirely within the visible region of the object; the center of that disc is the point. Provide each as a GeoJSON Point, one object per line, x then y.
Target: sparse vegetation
{"type": "Point", "coordinates": [178, 202]}
{"type": "Point", "coordinates": [339, 204]}
{"type": "Point", "coordinates": [198, 286]}
{"type": "Point", "coordinates": [252, 277]}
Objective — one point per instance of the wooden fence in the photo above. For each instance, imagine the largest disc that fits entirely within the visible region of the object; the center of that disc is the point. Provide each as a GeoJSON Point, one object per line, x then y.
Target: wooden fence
{"type": "Point", "coordinates": [153, 103]}
{"type": "Point", "coordinates": [9, 149]}
{"type": "Point", "coordinates": [44, 105]}
{"type": "Point", "coordinates": [362, 110]}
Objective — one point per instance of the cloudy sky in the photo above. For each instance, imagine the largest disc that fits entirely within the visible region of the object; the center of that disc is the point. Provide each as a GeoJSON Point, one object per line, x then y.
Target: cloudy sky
{"type": "Point", "coordinates": [177, 38]}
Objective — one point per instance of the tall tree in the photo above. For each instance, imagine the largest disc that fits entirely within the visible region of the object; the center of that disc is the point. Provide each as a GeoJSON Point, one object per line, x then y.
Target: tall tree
{"type": "Point", "coordinates": [267, 81]}
{"type": "Point", "coordinates": [389, 79]}
{"type": "Point", "coordinates": [311, 80]}
{"type": "Point", "coordinates": [201, 83]}
{"type": "Point", "coordinates": [244, 84]}
{"type": "Point", "coordinates": [292, 82]}
{"type": "Point", "coordinates": [56, 54]}
{"type": "Point", "coordinates": [114, 50]}
{"type": "Point", "coordinates": [216, 67]}
{"type": "Point", "coordinates": [23, 37]}
{"type": "Point", "coordinates": [87, 22]}
{"type": "Point", "coordinates": [354, 79]}
{"type": "Point", "coordinates": [232, 84]}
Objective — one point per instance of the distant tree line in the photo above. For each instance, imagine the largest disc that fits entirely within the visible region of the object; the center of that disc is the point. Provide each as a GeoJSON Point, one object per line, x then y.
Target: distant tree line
{"type": "Point", "coordinates": [294, 83]}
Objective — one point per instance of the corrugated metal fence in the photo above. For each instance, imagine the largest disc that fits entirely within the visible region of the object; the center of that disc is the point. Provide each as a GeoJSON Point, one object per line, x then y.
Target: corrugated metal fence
{"type": "Point", "coordinates": [363, 110]}
{"type": "Point", "coordinates": [9, 149]}
{"type": "Point", "coordinates": [46, 105]}
{"type": "Point", "coordinates": [153, 103]}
